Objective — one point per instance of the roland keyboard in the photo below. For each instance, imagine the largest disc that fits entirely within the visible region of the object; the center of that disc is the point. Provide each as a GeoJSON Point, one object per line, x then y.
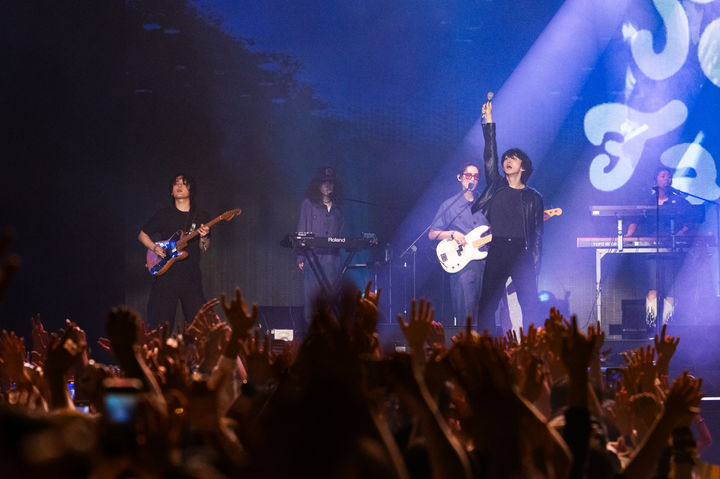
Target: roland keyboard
{"type": "Point", "coordinates": [306, 240]}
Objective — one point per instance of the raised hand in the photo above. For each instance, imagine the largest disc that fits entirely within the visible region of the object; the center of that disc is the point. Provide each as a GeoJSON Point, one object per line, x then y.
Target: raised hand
{"type": "Point", "coordinates": [555, 326]}
{"type": "Point", "coordinates": [416, 330]}
{"type": "Point", "coordinates": [237, 315]}
{"type": "Point", "coordinates": [486, 364]}
{"type": "Point", "coordinates": [12, 356]}
{"type": "Point", "coordinates": [487, 111]}
{"type": "Point", "coordinates": [204, 320]}
{"type": "Point", "coordinates": [683, 400]}
{"type": "Point", "coordinates": [436, 335]}
{"type": "Point", "coordinates": [665, 347]}
{"type": "Point", "coordinates": [577, 353]}
{"type": "Point", "coordinates": [533, 377]}
{"type": "Point", "coordinates": [467, 336]}
{"type": "Point", "coordinates": [364, 331]}
{"type": "Point", "coordinates": [512, 339]}
{"type": "Point", "coordinates": [639, 375]}
{"type": "Point", "coordinates": [258, 357]}
{"type": "Point", "coordinates": [124, 329]}
{"type": "Point", "coordinates": [531, 343]}
{"type": "Point", "coordinates": [63, 353]}
{"type": "Point", "coordinates": [40, 340]}
{"type": "Point", "coordinates": [577, 349]}
{"type": "Point", "coordinates": [621, 413]}
{"type": "Point", "coordinates": [210, 347]}
{"type": "Point", "coordinates": [598, 336]}
{"type": "Point", "coordinates": [367, 309]}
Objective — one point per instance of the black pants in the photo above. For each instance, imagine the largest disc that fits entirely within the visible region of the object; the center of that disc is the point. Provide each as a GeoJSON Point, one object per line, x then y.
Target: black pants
{"type": "Point", "coordinates": [182, 284]}
{"type": "Point", "coordinates": [508, 258]}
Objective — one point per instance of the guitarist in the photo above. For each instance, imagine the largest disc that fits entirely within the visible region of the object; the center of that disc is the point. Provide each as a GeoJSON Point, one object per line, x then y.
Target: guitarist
{"type": "Point", "coordinates": [453, 221]}
{"type": "Point", "coordinates": [183, 281]}
{"type": "Point", "coordinates": [515, 212]}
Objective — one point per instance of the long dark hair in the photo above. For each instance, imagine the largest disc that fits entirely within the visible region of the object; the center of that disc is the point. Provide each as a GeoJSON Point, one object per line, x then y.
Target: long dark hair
{"type": "Point", "coordinates": [321, 176]}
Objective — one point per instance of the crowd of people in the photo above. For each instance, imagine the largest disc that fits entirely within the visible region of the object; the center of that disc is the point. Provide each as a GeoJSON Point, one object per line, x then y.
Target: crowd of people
{"type": "Point", "coordinates": [222, 400]}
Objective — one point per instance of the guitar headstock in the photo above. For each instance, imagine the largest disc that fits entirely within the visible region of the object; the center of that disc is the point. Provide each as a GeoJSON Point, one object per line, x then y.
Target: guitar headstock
{"type": "Point", "coordinates": [547, 214]}
{"type": "Point", "coordinates": [228, 215]}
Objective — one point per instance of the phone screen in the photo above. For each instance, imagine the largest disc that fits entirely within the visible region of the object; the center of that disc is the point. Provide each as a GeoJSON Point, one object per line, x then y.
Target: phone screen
{"type": "Point", "coordinates": [120, 406]}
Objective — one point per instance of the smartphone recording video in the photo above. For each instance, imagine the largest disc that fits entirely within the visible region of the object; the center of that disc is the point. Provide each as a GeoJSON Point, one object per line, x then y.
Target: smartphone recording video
{"type": "Point", "coordinates": [120, 408]}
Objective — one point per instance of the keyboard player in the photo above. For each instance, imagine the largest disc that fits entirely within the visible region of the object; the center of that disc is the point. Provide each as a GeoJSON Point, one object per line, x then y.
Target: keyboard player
{"type": "Point", "coordinates": [320, 214]}
{"type": "Point", "coordinates": [674, 220]}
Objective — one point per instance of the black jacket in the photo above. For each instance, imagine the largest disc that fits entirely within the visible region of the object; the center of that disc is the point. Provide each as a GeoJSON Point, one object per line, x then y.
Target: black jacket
{"type": "Point", "coordinates": [532, 201]}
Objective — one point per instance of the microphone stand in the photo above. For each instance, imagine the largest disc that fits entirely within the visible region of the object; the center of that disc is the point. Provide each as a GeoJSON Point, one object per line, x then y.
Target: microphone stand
{"type": "Point", "coordinates": [412, 248]}
{"type": "Point", "coordinates": [659, 290]}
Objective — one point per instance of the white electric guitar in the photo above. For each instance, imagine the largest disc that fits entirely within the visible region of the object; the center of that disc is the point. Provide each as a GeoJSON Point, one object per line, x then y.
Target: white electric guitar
{"type": "Point", "coordinates": [454, 257]}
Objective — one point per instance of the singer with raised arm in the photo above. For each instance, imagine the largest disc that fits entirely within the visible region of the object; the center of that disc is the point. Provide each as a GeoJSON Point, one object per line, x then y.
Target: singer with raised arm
{"type": "Point", "coordinates": [515, 213]}
{"type": "Point", "coordinates": [672, 218]}
{"type": "Point", "coordinates": [321, 215]}
{"type": "Point", "coordinates": [454, 220]}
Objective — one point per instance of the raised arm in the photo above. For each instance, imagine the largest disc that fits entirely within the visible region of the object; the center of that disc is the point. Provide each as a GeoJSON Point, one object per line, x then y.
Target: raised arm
{"type": "Point", "coordinates": [490, 154]}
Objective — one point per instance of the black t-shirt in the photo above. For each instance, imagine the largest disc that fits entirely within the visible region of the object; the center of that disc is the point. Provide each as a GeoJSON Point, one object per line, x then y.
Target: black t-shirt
{"type": "Point", "coordinates": [675, 213]}
{"type": "Point", "coordinates": [506, 218]}
{"type": "Point", "coordinates": [165, 222]}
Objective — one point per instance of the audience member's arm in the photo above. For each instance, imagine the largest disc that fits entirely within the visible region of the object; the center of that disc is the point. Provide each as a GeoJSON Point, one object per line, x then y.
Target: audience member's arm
{"type": "Point", "coordinates": [123, 329]}
{"type": "Point", "coordinates": [62, 354]}
{"type": "Point", "coordinates": [237, 315]}
{"type": "Point", "coordinates": [680, 407]}
{"type": "Point", "coordinates": [577, 353]}
{"type": "Point", "coordinates": [416, 330]}
{"type": "Point", "coordinates": [704, 436]}
{"type": "Point", "coordinates": [364, 330]}
{"type": "Point", "coordinates": [665, 347]}
{"type": "Point", "coordinates": [447, 458]}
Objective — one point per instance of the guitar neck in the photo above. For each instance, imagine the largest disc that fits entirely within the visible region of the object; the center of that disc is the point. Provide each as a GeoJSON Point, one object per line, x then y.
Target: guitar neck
{"type": "Point", "coordinates": [479, 243]}
{"type": "Point", "coordinates": [185, 238]}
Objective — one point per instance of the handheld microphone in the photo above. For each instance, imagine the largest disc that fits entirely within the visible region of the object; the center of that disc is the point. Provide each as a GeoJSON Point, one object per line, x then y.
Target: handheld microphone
{"type": "Point", "coordinates": [490, 96]}
{"type": "Point", "coordinates": [470, 186]}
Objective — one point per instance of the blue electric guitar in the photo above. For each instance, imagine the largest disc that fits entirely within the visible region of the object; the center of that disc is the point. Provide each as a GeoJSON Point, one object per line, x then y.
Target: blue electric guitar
{"type": "Point", "coordinates": [175, 245]}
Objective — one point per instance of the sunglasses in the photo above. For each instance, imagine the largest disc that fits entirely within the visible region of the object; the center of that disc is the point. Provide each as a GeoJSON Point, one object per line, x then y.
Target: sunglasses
{"type": "Point", "coordinates": [470, 176]}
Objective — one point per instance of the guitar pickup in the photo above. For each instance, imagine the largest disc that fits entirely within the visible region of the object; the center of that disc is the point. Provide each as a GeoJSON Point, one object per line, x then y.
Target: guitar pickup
{"type": "Point", "coordinates": [443, 257]}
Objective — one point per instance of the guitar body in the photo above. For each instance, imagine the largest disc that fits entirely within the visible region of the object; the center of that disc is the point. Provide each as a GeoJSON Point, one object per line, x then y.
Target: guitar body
{"type": "Point", "coordinates": [175, 245]}
{"type": "Point", "coordinates": [454, 258]}
{"type": "Point", "coordinates": [157, 265]}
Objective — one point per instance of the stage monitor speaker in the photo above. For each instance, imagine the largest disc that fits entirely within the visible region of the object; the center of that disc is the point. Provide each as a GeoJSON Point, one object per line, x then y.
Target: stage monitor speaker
{"type": "Point", "coordinates": [279, 317]}
{"type": "Point", "coordinates": [633, 319]}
